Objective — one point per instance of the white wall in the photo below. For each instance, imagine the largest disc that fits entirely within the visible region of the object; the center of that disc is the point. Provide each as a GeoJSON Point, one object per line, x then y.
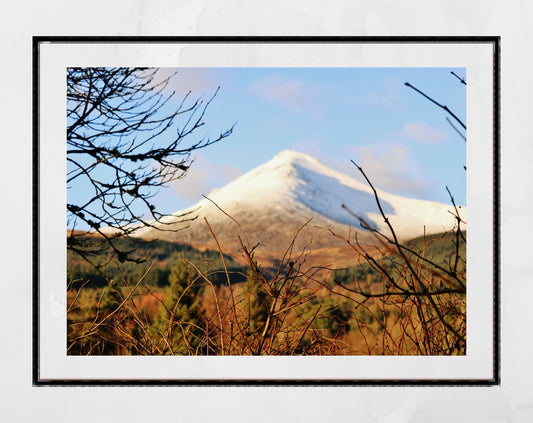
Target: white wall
{"type": "Point", "coordinates": [512, 401]}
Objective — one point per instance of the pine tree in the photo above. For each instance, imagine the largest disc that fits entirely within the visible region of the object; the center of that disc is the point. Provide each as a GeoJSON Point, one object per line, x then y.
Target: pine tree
{"type": "Point", "coordinates": [183, 314]}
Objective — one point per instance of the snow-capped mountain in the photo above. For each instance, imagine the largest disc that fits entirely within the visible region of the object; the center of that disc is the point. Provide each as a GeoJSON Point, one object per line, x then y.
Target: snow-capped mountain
{"type": "Point", "coordinates": [273, 200]}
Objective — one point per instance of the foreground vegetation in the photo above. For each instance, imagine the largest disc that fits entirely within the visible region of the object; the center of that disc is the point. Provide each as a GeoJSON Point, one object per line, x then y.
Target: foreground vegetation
{"type": "Point", "coordinates": [181, 301]}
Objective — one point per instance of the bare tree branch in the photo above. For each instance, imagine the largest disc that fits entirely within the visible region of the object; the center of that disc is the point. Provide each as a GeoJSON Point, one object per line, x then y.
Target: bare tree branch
{"type": "Point", "coordinates": [126, 138]}
{"type": "Point", "coordinates": [444, 107]}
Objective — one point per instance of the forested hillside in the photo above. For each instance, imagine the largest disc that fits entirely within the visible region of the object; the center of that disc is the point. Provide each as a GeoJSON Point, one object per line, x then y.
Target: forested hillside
{"type": "Point", "coordinates": [440, 249]}
{"type": "Point", "coordinates": [160, 255]}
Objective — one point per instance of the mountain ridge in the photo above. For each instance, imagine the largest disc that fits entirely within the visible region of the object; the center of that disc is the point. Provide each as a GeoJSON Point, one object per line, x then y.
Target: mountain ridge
{"type": "Point", "coordinates": [273, 200]}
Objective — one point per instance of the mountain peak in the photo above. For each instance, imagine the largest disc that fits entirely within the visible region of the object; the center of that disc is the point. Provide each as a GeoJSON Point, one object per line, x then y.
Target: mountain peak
{"type": "Point", "coordinates": [291, 157]}
{"type": "Point", "coordinates": [294, 186]}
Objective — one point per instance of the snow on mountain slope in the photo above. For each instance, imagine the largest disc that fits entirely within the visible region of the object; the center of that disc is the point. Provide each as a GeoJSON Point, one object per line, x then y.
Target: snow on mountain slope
{"type": "Point", "coordinates": [277, 197]}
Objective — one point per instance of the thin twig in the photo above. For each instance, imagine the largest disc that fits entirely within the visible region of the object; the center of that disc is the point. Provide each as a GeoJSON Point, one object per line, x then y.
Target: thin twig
{"type": "Point", "coordinates": [458, 77]}
{"type": "Point", "coordinates": [444, 107]}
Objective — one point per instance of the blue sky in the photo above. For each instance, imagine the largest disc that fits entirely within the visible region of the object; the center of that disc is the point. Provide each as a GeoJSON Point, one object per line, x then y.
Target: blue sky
{"type": "Point", "coordinates": [368, 115]}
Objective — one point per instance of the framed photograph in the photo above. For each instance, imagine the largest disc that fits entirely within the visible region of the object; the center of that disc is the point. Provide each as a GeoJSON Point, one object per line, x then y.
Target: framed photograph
{"type": "Point", "coordinates": [266, 211]}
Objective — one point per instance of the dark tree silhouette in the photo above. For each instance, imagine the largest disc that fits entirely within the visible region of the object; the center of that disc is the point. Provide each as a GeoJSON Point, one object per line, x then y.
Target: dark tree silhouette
{"type": "Point", "coordinates": [127, 136]}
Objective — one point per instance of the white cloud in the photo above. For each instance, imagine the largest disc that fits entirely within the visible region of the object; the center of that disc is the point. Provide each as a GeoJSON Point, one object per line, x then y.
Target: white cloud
{"type": "Point", "coordinates": [424, 133]}
{"type": "Point", "coordinates": [392, 168]}
{"type": "Point", "coordinates": [203, 177]}
{"type": "Point", "coordinates": [293, 94]}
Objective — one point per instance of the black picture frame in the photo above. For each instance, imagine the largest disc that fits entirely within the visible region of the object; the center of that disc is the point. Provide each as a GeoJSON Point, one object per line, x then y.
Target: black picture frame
{"type": "Point", "coordinates": [38, 41]}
